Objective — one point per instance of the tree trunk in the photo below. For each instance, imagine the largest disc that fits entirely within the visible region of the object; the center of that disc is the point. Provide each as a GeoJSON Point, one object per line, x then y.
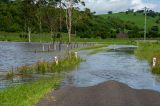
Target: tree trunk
{"type": "Point", "coordinates": [29, 34]}
{"type": "Point", "coordinates": [70, 24]}
{"type": "Point", "coordinates": [60, 21]}
{"type": "Point", "coordinates": [40, 25]}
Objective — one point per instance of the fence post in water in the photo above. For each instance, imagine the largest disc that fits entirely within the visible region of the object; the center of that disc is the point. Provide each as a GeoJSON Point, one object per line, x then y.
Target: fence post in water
{"type": "Point", "coordinates": [55, 47]}
{"type": "Point", "coordinates": [12, 74]}
{"type": "Point", "coordinates": [49, 47]}
{"type": "Point", "coordinates": [56, 60]}
{"type": "Point", "coordinates": [43, 48]}
{"type": "Point", "coordinates": [35, 51]}
{"type": "Point", "coordinates": [154, 61]}
{"type": "Point", "coordinates": [59, 46]}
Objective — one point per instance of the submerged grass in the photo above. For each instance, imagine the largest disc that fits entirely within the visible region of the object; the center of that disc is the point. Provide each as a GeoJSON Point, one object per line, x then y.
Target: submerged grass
{"type": "Point", "coordinates": [148, 51]}
{"type": "Point", "coordinates": [42, 67]}
{"type": "Point", "coordinates": [98, 51]}
{"type": "Point", "coordinates": [94, 47]}
{"type": "Point", "coordinates": [27, 94]}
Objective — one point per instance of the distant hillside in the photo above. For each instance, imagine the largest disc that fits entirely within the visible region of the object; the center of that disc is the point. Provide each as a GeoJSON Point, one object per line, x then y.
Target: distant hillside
{"type": "Point", "coordinates": [137, 18]}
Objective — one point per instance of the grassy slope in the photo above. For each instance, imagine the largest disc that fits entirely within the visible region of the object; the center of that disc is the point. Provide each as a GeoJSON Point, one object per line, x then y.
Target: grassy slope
{"type": "Point", "coordinates": [138, 19]}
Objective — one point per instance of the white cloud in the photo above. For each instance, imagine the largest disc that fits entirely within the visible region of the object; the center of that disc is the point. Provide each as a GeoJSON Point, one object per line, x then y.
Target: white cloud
{"type": "Point", "coordinates": [103, 6]}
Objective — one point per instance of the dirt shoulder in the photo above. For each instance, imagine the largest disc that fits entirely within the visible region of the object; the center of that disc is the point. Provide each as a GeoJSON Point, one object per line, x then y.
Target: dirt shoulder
{"type": "Point", "coordinates": [110, 93]}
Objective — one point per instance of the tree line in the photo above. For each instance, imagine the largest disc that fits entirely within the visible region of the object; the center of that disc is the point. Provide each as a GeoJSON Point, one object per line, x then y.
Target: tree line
{"type": "Point", "coordinates": [55, 16]}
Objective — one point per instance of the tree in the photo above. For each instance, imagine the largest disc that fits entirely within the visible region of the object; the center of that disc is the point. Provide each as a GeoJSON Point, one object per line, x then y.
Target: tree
{"type": "Point", "coordinates": [51, 18]}
{"type": "Point", "coordinates": [154, 32]}
{"type": "Point", "coordinates": [110, 12]}
{"type": "Point", "coordinates": [69, 6]}
{"type": "Point", "coordinates": [39, 12]}
{"type": "Point", "coordinates": [28, 8]}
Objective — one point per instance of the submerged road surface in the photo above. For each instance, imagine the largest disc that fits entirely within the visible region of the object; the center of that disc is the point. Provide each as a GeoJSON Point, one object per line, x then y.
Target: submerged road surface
{"type": "Point", "coordinates": [110, 93]}
{"type": "Point", "coordinates": [109, 78]}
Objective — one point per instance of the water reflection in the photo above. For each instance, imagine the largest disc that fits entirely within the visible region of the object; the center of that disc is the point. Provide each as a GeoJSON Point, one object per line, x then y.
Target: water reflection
{"type": "Point", "coordinates": [14, 54]}
{"type": "Point", "coordinates": [18, 54]}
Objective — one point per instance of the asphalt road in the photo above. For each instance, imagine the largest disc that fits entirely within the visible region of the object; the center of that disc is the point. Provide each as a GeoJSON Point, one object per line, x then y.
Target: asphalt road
{"type": "Point", "coordinates": [110, 93]}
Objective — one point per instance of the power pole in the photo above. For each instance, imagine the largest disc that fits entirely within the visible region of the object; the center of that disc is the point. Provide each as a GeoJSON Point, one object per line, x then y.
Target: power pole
{"type": "Point", "coordinates": [145, 23]}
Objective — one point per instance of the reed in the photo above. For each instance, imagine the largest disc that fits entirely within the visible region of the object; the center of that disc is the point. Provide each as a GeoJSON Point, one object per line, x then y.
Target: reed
{"type": "Point", "coordinates": [42, 67]}
{"type": "Point", "coordinates": [30, 93]}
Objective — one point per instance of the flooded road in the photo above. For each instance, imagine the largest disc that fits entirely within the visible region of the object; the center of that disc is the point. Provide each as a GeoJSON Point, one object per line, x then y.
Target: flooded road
{"type": "Point", "coordinates": [119, 64]}
{"type": "Point", "coordinates": [13, 54]}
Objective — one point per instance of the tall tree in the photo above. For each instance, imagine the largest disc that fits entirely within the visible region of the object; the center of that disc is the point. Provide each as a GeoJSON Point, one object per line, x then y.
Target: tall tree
{"type": "Point", "coordinates": [28, 7]}
{"type": "Point", "coordinates": [39, 12]}
{"type": "Point", "coordinates": [69, 6]}
{"type": "Point", "coordinates": [51, 17]}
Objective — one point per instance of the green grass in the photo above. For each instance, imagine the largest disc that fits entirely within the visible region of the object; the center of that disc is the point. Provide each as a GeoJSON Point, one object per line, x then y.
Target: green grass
{"type": "Point", "coordinates": [138, 19]}
{"type": "Point", "coordinates": [43, 67]}
{"type": "Point", "coordinates": [27, 94]}
{"type": "Point", "coordinates": [35, 37]}
{"type": "Point", "coordinates": [148, 51]}
{"type": "Point", "coordinates": [98, 51]}
{"type": "Point", "coordinates": [45, 37]}
{"type": "Point", "coordinates": [107, 41]}
{"type": "Point", "coordinates": [94, 47]}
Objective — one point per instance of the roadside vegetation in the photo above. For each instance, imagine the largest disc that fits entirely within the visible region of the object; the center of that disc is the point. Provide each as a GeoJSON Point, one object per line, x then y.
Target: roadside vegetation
{"type": "Point", "coordinates": [37, 20]}
{"type": "Point", "coordinates": [43, 67]}
{"type": "Point", "coordinates": [95, 51]}
{"type": "Point", "coordinates": [148, 51]}
{"type": "Point", "coordinates": [46, 37]}
{"type": "Point", "coordinates": [28, 94]}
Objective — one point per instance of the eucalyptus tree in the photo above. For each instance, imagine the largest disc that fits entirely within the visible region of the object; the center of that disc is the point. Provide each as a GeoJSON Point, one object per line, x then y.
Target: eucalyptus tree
{"type": "Point", "coordinates": [51, 17]}
{"type": "Point", "coordinates": [40, 4]}
{"type": "Point", "coordinates": [28, 8]}
{"type": "Point", "coordinates": [70, 4]}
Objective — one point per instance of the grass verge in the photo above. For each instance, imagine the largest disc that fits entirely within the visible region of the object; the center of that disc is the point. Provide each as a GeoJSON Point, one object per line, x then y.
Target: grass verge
{"type": "Point", "coordinates": [94, 47]}
{"type": "Point", "coordinates": [95, 51]}
{"type": "Point", "coordinates": [28, 94]}
{"type": "Point", "coordinates": [42, 67]}
{"type": "Point", "coordinates": [46, 37]}
{"type": "Point", "coordinates": [148, 51]}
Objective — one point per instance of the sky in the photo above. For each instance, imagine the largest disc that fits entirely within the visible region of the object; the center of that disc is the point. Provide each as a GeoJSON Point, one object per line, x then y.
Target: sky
{"type": "Point", "coordinates": [103, 6]}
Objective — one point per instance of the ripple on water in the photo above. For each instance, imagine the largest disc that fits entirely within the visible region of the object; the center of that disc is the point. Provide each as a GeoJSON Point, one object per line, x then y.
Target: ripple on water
{"type": "Point", "coordinates": [120, 66]}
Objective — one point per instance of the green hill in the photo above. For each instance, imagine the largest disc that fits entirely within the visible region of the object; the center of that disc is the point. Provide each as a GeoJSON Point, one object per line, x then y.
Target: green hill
{"type": "Point", "coordinates": [137, 18]}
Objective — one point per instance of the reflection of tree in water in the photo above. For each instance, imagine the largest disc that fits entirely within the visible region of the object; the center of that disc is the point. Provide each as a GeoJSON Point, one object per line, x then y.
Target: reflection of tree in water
{"type": "Point", "coordinates": [70, 79]}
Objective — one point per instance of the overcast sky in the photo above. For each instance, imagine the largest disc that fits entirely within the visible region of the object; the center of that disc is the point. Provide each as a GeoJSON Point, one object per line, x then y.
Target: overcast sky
{"type": "Point", "coordinates": [103, 6]}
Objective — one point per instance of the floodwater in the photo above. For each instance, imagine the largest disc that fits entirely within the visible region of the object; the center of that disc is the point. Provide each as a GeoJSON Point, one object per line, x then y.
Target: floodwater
{"type": "Point", "coordinates": [14, 54]}
{"type": "Point", "coordinates": [118, 64]}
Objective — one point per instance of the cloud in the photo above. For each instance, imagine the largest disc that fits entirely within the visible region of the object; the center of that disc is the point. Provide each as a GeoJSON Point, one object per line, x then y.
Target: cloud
{"type": "Point", "coordinates": [103, 6]}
